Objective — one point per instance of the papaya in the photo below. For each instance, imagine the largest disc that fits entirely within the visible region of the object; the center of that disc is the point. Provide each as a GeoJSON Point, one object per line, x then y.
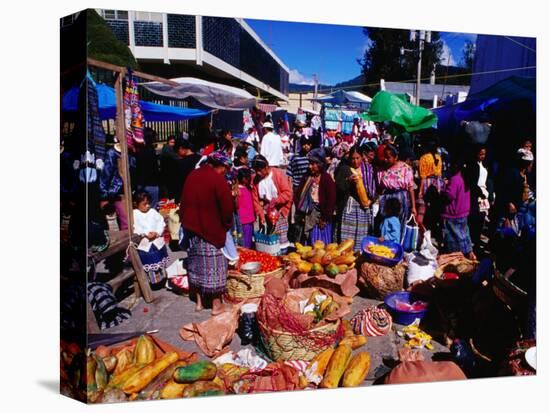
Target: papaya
{"type": "Point", "coordinates": [103, 351]}
{"type": "Point", "coordinates": [308, 255]}
{"type": "Point", "coordinates": [101, 374]}
{"type": "Point", "coordinates": [118, 380]}
{"type": "Point", "coordinates": [355, 341]}
{"type": "Point", "coordinates": [342, 268]}
{"type": "Point", "coordinates": [200, 388]}
{"type": "Point", "coordinates": [347, 259]}
{"type": "Point", "coordinates": [348, 329]}
{"type": "Point", "coordinates": [172, 390]}
{"type": "Point", "coordinates": [316, 269]}
{"type": "Point", "coordinates": [201, 370]}
{"type": "Point", "coordinates": [144, 376]}
{"type": "Point", "coordinates": [323, 306]}
{"type": "Point", "coordinates": [319, 245]}
{"type": "Point", "coordinates": [357, 370]}
{"type": "Point", "coordinates": [294, 258]}
{"type": "Point", "coordinates": [144, 353]}
{"type": "Point", "coordinates": [110, 363]}
{"type": "Point", "coordinates": [333, 246]}
{"type": "Point", "coordinates": [318, 257]}
{"type": "Point", "coordinates": [333, 306]}
{"type": "Point", "coordinates": [327, 259]}
{"type": "Point", "coordinates": [319, 364]}
{"type": "Point", "coordinates": [336, 367]}
{"type": "Point", "coordinates": [124, 360]}
{"type": "Point", "coordinates": [345, 246]}
{"type": "Point", "coordinates": [304, 267]}
{"type": "Point", "coordinates": [332, 270]}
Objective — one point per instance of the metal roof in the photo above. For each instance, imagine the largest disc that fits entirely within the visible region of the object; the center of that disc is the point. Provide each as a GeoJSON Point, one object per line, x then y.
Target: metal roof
{"type": "Point", "coordinates": [427, 91]}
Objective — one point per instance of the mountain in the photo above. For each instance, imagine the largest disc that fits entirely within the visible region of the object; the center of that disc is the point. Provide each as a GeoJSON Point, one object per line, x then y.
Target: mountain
{"type": "Point", "coordinates": [457, 77]}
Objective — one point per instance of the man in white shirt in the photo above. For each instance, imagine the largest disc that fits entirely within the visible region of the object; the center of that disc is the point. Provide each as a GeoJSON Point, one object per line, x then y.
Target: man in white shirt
{"type": "Point", "coordinates": [272, 147]}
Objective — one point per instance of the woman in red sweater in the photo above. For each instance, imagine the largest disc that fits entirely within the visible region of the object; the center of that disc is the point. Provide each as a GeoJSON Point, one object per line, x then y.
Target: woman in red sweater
{"type": "Point", "coordinates": [206, 216]}
{"type": "Point", "coordinates": [272, 189]}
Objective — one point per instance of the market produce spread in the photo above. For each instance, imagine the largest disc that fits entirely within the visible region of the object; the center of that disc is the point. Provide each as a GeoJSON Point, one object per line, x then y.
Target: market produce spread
{"type": "Point", "coordinates": [267, 262]}
{"type": "Point", "coordinates": [331, 259]}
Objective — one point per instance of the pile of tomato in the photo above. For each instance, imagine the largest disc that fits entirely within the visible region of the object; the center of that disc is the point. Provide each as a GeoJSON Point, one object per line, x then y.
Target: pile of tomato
{"type": "Point", "coordinates": [268, 262]}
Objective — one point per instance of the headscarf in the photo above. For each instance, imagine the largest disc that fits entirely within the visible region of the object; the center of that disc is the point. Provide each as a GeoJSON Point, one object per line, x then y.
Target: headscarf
{"type": "Point", "coordinates": [220, 158]}
{"type": "Point", "coordinates": [317, 155]}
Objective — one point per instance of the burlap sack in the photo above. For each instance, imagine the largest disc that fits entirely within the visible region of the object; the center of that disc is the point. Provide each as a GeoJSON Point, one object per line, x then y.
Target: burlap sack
{"type": "Point", "coordinates": [424, 371]}
{"type": "Point", "coordinates": [379, 280]}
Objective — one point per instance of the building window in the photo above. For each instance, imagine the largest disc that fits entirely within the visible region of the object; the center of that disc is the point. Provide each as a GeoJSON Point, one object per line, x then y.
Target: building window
{"type": "Point", "coordinates": [114, 14]}
{"type": "Point", "coordinates": [146, 16]}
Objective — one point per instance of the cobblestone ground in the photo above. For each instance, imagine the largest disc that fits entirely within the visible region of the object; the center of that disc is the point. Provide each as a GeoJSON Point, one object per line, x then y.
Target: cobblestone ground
{"type": "Point", "coordinates": [169, 312]}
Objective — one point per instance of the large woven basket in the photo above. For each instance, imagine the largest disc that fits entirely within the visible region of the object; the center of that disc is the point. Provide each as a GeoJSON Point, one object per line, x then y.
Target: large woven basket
{"type": "Point", "coordinates": [282, 345]}
{"type": "Point", "coordinates": [509, 293]}
{"type": "Point", "coordinates": [240, 286]}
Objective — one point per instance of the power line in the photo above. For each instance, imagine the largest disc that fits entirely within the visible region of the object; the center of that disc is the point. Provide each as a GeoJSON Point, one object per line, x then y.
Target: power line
{"type": "Point", "coordinates": [521, 44]}
{"type": "Point", "coordinates": [439, 77]}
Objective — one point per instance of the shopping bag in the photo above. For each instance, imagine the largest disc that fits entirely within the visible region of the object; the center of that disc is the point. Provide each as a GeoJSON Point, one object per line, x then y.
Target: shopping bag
{"type": "Point", "coordinates": [409, 240]}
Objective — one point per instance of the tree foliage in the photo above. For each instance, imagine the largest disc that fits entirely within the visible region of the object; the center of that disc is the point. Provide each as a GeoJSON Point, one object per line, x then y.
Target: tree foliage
{"type": "Point", "coordinates": [103, 44]}
{"type": "Point", "coordinates": [468, 52]}
{"type": "Point", "coordinates": [383, 60]}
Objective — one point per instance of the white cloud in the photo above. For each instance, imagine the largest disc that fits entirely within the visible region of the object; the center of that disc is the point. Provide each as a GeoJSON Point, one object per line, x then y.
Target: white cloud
{"type": "Point", "coordinates": [447, 58]}
{"type": "Point", "coordinates": [299, 79]}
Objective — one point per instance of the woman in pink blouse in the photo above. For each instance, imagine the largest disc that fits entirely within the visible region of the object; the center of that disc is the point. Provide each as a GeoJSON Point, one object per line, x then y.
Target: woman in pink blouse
{"type": "Point", "coordinates": [396, 180]}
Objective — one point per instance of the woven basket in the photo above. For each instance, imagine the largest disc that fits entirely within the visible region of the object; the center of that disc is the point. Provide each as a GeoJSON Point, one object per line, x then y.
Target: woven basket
{"type": "Point", "coordinates": [507, 292]}
{"type": "Point", "coordinates": [240, 286]}
{"type": "Point", "coordinates": [281, 345]}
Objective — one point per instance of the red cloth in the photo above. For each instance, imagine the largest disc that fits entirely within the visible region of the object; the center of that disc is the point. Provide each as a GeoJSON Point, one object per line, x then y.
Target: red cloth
{"type": "Point", "coordinates": [380, 152]}
{"type": "Point", "coordinates": [208, 207]}
{"type": "Point", "coordinates": [327, 195]}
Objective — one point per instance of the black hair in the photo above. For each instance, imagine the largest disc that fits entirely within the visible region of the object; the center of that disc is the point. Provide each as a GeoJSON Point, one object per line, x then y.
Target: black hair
{"type": "Point", "coordinates": [392, 207]}
{"type": "Point", "coordinates": [149, 136]}
{"type": "Point", "coordinates": [431, 147]}
{"type": "Point", "coordinates": [182, 143]}
{"type": "Point", "coordinates": [259, 162]}
{"type": "Point", "coordinates": [141, 196]}
{"type": "Point", "coordinates": [392, 149]}
{"type": "Point", "coordinates": [240, 152]}
{"type": "Point", "coordinates": [459, 166]}
{"type": "Point", "coordinates": [170, 137]}
{"type": "Point", "coordinates": [244, 173]}
{"type": "Point", "coordinates": [353, 149]}
{"type": "Point", "coordinates": [366, 148]}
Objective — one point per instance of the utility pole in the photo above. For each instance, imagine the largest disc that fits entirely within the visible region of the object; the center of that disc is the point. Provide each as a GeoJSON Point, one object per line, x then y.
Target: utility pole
{"type": "Point", "coordinates": [316, 85]}
{"type": "Point", "coordinates": [424, 36]}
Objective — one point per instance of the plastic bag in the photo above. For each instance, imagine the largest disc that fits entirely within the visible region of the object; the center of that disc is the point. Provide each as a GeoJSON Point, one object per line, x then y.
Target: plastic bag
{"type": "Point", "coordinates": [422, 264]}
{"type": "Point", "coordinates": [409, 240]}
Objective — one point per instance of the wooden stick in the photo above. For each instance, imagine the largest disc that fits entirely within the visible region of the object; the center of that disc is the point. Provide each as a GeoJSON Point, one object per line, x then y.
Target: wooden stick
{"type": "Point", "coordinates": [120, 69]}
{"type": "Point", "coordinates": [140, 275]}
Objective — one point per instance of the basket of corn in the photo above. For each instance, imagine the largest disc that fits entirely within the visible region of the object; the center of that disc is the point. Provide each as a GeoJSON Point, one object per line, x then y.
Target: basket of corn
{"type": "Point", "coordinates": [386, 253]}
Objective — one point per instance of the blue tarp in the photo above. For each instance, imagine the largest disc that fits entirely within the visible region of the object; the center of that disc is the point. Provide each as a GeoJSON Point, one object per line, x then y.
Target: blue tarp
{"type": "Point", "coordinates": [484, 104]}
{"type": "Point", "coordinates": [498, 54]}
{"type": "Point", "coordinates": [152, 112]}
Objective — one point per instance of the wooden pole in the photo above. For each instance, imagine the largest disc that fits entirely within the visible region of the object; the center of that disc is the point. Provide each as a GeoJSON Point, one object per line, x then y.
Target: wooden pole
{"type": "Point", "coordinates": [125, 173]}
{"type": "Point", "coordinates": [120, 69]}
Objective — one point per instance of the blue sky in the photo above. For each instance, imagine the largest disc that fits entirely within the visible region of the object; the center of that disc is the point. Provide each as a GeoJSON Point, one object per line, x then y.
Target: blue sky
{"type": "Point", "coordinates": [329, 51]}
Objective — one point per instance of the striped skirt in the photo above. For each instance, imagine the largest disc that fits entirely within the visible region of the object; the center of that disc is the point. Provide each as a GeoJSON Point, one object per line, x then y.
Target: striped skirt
{"type": "Point", "coordinates": [356, 223]}
{"type": "Point", "coordinates": [318, 234]}
{"type": "Point", "coordinates": [404, 200]}
{"type": "Point", "coordinates": [436, 181]}
{"type": "Point", "coordinates": [281, 229]}
{"type": "Point", "coordinates": [207, 267]}
{"type": "Point", "coordinates": [456, 235]}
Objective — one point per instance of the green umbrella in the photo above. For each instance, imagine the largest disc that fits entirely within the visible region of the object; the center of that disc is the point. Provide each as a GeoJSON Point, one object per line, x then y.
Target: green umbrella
{"type": "Point", "coordinates": [391, 107]}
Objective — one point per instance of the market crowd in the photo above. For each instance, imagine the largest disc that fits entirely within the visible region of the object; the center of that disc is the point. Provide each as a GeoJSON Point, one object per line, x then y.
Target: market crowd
{"type": "Point", "coordinates": [310, 185]}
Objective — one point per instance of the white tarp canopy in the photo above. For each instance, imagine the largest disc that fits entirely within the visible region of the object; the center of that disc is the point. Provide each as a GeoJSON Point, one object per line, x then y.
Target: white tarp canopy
{"type": "Point", "coordinates": [342, 97]}
{"type": "Point", "coordinates": [214, 95]}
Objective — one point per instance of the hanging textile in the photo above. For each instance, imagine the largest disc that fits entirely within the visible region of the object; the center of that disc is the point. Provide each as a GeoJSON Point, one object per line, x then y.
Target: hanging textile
{"type": "Point", "coordinates": [248, 122]}
{"type": "Point", "coordinates": [266, 107]}
{"type": "Point", "coordinates": [133, 115]}
{"type": "Point", "coordinates": [332, 119]}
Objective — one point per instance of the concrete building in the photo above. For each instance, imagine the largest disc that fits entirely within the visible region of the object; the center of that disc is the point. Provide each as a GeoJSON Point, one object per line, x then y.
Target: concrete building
{"type": "Point", "coordinates": [431, 95]}
{"type": "Point", "coordinates": [218, 49]}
